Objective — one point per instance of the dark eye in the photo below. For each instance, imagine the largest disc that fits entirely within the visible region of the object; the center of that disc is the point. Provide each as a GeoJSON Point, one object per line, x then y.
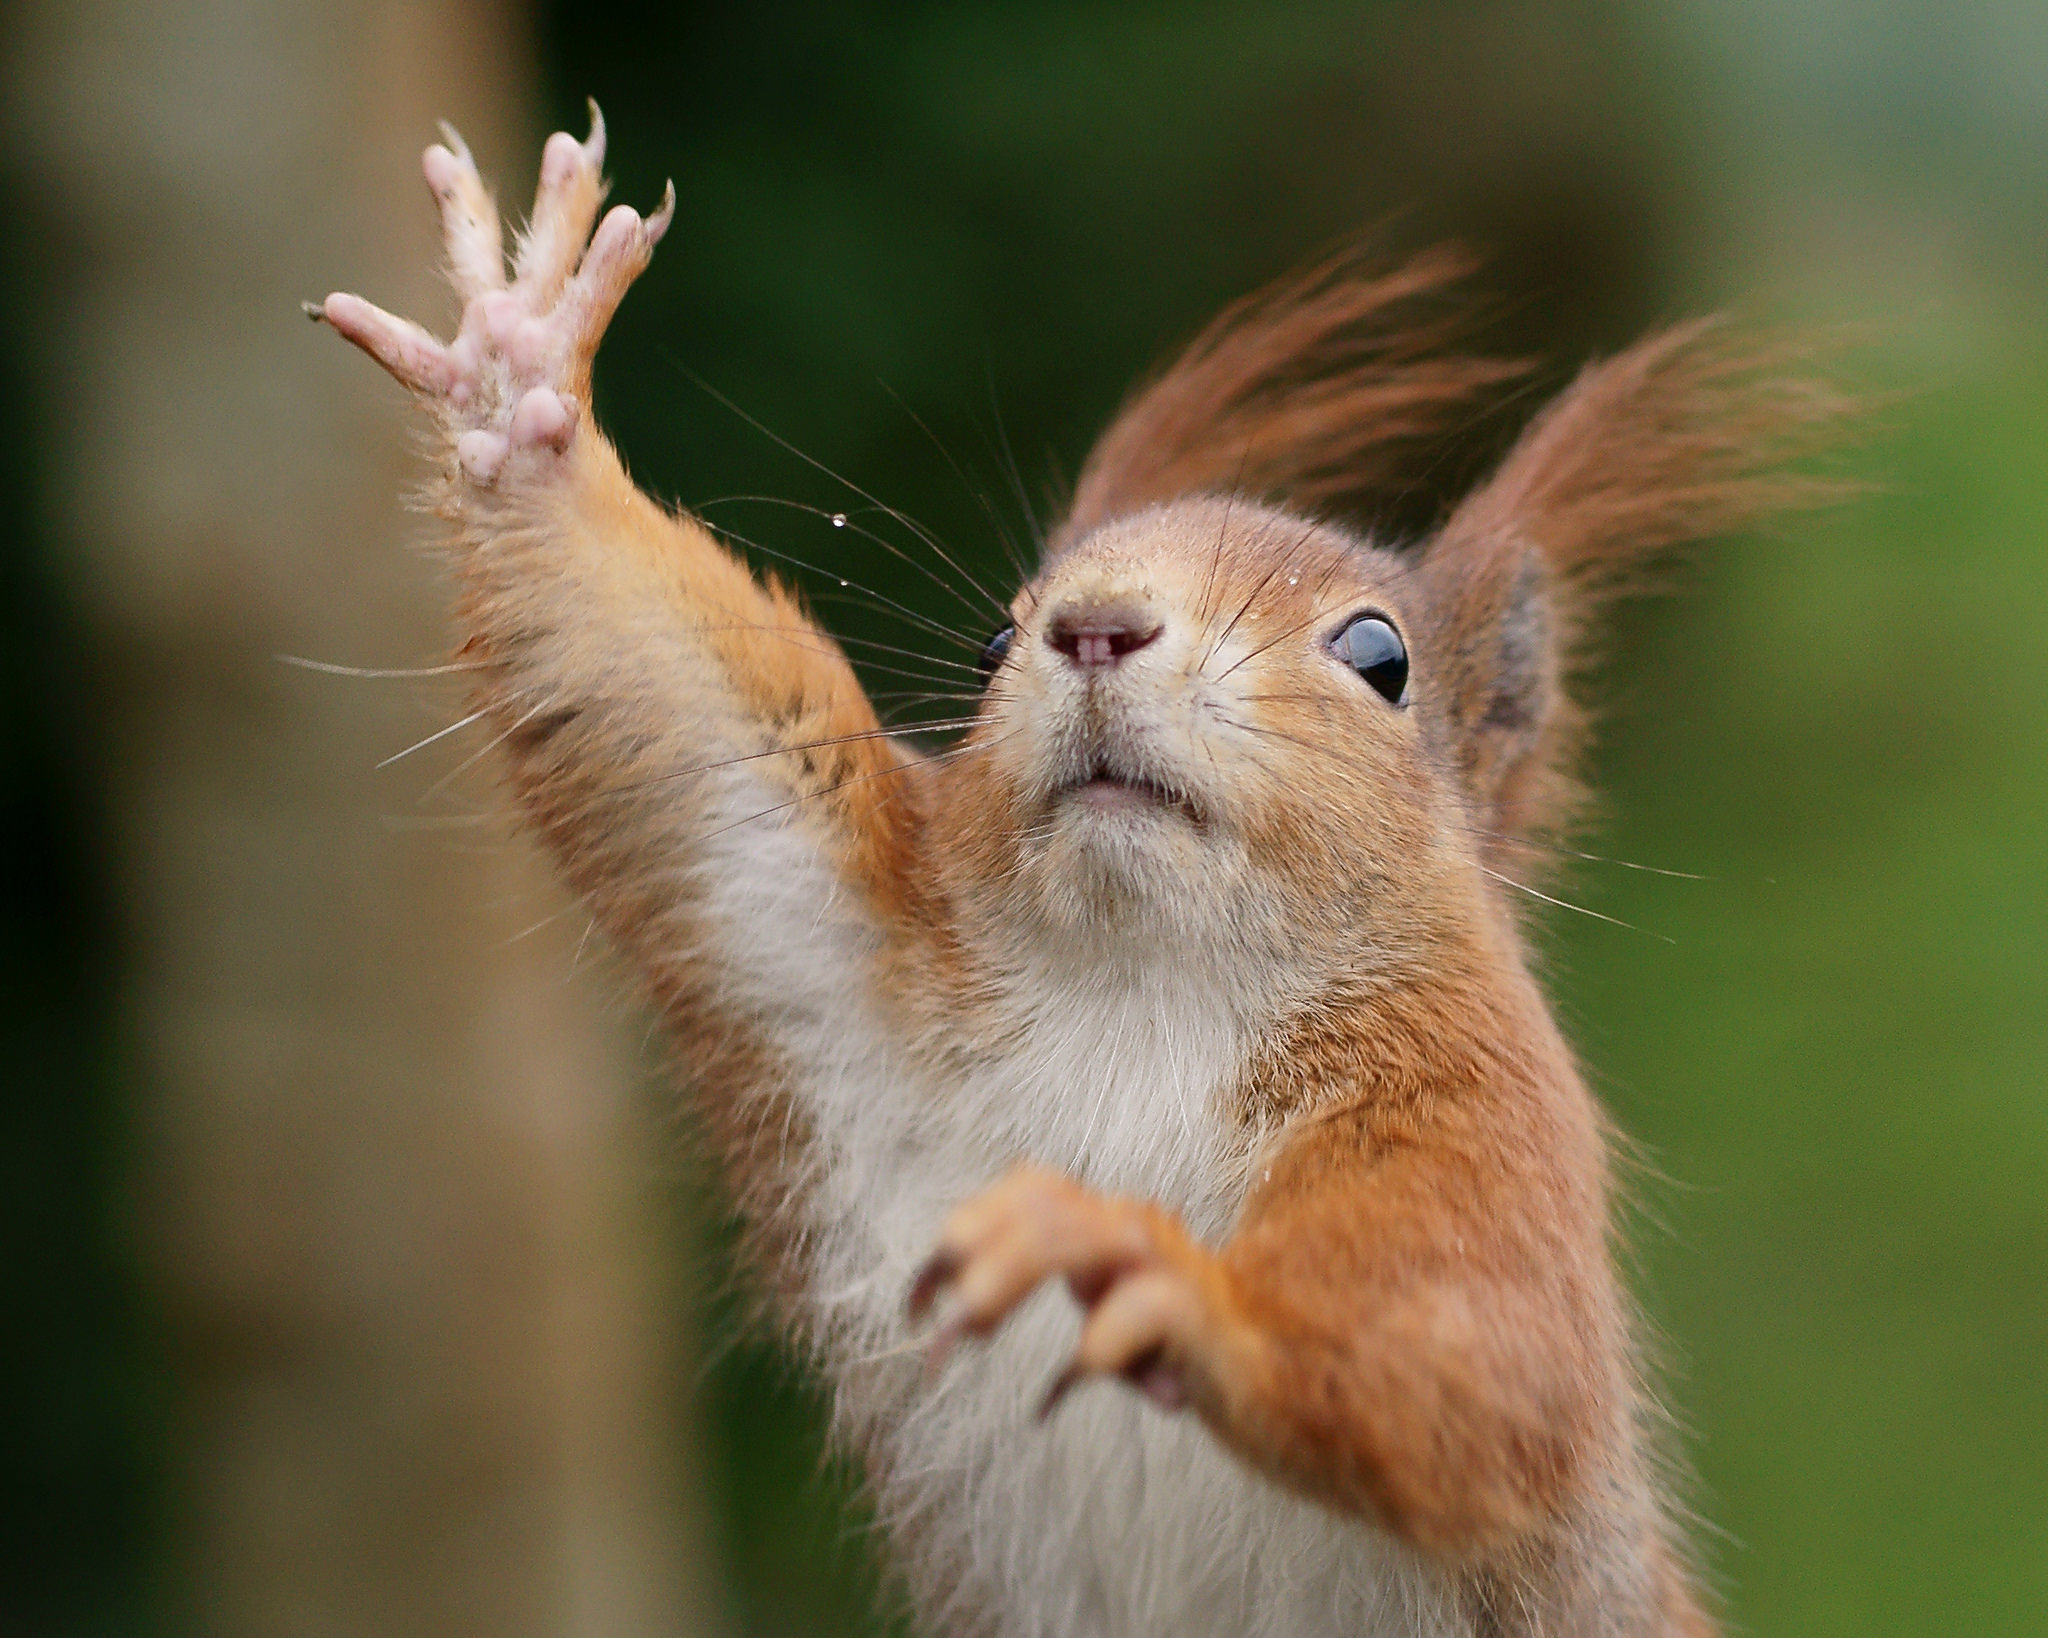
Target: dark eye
{"type": "Point", "coordinates": [1373, 648]}
{"type": "Point", "coordinates": [994, 650]}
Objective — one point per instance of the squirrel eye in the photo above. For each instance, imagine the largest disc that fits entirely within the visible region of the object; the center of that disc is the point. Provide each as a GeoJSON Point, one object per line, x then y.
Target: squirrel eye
{"type": "Point", "coordinates": [1373, 648]}
{"type": "Point", "coordinates": [995, 649]}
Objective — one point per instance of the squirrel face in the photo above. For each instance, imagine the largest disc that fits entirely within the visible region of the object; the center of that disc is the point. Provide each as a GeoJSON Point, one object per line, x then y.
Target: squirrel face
{"type": "Point", "coordinates": [1178, 741]}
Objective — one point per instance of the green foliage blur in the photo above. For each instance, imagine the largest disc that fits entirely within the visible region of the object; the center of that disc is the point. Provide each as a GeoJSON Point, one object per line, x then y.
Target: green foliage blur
{"type": "Point", "coordinates": [912, 238]}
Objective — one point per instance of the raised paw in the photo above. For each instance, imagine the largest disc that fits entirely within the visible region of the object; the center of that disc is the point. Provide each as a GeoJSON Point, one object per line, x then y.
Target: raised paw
{"type": "Point", "coordinates": [516, 377]}
{"type": "Point", "coordinates": [1146, 1287]}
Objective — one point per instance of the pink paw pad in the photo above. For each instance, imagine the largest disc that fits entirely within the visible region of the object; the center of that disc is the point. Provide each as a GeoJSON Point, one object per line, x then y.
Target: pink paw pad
{"type": "Point", "coordinates": [544, 416]}
{"type": "Point", "coordinates": [481, 454]}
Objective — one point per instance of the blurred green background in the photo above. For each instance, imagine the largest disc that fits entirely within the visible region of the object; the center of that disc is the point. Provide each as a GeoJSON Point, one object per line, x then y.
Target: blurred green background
{"type": "Point", "coordinates": [1833, 1046]}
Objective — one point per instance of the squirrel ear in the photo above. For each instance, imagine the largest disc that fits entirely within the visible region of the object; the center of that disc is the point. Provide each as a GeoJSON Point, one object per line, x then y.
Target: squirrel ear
{"type": "Point", "coordinates": [1318, 392]}
{"type": "Point", "coordinates": [1498, 645]}
{"type": "Point", "coordinates": [1684, 436]}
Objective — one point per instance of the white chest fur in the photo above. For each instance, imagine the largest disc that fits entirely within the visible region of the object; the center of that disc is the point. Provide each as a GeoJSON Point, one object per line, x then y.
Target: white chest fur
{"type": "Point", "coordinates": [1112, 1519]}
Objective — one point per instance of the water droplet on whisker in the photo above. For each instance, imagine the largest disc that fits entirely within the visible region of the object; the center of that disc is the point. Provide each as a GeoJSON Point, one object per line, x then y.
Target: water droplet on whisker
{"type": "Point", "coordinates": [839, 520]}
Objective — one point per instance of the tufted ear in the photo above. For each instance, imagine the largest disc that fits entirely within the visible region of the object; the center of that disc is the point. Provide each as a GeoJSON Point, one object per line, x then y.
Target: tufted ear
{"type": "Point", "coordinates": [1317, 393]}
{"type": "Point", "coordinates": [1686, 435]}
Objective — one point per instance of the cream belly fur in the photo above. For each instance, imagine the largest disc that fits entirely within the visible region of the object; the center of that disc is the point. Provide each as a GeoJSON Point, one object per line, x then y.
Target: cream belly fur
{"type": "Point", "coordinates": [1111, 1518]}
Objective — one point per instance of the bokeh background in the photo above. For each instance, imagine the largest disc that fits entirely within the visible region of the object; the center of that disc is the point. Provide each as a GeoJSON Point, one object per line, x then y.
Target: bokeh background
{"type": "Point", "coordinates": [355, 1272]}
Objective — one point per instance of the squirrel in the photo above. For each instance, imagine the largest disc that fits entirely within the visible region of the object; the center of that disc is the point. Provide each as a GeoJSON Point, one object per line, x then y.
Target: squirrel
{"type": "Point", "coordinates": [1192, 980]}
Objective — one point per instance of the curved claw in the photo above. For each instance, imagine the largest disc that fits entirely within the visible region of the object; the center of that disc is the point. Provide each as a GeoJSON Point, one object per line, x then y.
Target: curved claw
{"type": "Point", "coordinates": [664, 213]}
{"type": "Point", "coordinates": [593, 145]}
{"type": "Point", "coordinates": [1070, 1376]}
{"type": "Point", "coordinates": [939, 1268]}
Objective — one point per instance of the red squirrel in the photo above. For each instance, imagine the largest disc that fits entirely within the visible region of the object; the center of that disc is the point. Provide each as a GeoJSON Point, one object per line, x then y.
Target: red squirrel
{"type": "Point", "coordinates": [1175, 1027]}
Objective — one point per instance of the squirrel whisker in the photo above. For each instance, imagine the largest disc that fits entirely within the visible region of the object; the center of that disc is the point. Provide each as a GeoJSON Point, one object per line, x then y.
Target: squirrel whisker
{"type": "Point", "coordinates": [844, 521]}
{"type": "Point", "coordinates": [439, 734]}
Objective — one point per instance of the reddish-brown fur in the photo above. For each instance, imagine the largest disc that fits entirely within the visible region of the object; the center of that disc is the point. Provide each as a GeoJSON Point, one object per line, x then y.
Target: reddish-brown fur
{"type": "Point", "coordinates": [1414, 1317]}
{"type": "Point", "coordinates": [1309, 391]}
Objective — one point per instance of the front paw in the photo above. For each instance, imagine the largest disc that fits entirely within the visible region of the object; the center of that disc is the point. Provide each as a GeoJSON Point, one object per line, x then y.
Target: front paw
{"type": "Point", "coordinates": [516, 377]}
{"type": "Point", "coordinates": [1147, 1289]}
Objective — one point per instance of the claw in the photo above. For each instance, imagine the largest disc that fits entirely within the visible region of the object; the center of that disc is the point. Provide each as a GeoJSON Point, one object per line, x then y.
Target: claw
{"type": "Point", "coordinates": [564, 206]}
{"type": "Point", "coordinates": [664, 213]}
{"type": "Point", "coordinates": [1062, 1385]}
{"type": "Point", "coordinates": [939, 1268]}
{"type": "Point", "coordinates": [1148, 1373]}
{"type": "Point", "coordinates": [456, 145]}
{"type": "Point", "coordinates": [944, 1341]}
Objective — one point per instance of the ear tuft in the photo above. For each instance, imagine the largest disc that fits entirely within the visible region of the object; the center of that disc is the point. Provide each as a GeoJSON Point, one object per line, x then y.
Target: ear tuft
{"type": "Point", "coordinates": [1689, 434]}
{"type": "Point", "coordinates": [1309, 393]}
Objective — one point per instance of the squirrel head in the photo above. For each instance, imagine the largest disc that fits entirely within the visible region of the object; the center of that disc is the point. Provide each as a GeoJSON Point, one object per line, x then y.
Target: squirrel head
{"type": "Point", "coordinates": [1213, 722]}
{"type": "Point", "coordinates": [1218, 716]}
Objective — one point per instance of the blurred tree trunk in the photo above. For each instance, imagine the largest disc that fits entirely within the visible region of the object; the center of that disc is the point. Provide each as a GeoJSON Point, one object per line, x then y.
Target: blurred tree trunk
{"type": "Point", "coordinates": [408, 1267]}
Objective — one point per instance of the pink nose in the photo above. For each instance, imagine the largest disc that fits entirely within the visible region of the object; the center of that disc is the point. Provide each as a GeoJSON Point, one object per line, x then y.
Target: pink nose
{"type": "Point", "coordinates": [1095, 635]}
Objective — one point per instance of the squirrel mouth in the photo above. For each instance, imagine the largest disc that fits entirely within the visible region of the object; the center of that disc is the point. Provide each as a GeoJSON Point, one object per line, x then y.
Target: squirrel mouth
{"type": "Point", "coordinates": [1106, 790]}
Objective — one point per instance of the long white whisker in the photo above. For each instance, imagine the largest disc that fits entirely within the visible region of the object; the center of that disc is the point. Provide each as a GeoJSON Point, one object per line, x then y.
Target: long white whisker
{"type": "Point", "coordinates": [1592, 858]}
{"type": "Point", "coordinates": [441, 733]}
{"type": "Point", "coordinates": [1566, 904]}
{"type": "Point", "coordinates": [995, 522]}
{"type": "Point", "coordinates": [477, 755]}
{"type": "Point", "coordinates": [330, 668]}
{"type": "Point", "coordinates": [812, 461]}
{"type": "Point", "coordinates": [829, 790]}
{"type": "Point", "coordinates": [840, 520]}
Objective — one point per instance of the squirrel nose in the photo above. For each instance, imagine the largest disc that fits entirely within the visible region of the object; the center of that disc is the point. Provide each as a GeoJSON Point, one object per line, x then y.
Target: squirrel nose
{"type": "Point", "coordinates": [1096, 635]}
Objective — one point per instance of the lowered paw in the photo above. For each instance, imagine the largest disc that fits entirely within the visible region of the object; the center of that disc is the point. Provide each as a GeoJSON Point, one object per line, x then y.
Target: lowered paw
{"type": "Point", "coordinates": [1142, 1282]}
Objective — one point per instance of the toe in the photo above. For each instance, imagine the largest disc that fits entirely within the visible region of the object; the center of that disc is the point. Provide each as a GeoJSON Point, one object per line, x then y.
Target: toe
{"type": "Point", "coordinates": [1135, 1332]}
{"type": "Point", "coordinates": [571, 189]}
{"type": "Point", "coordinates": [408, 352]}
{"type": "Point", "coordinates": [618, 254]}
{"type": "Point", "coordinates": [996, 1281]}
{"type": "Point", "coordinates": [1140, 1316]}
{"type": "Point", "coordinates": [469, 217]}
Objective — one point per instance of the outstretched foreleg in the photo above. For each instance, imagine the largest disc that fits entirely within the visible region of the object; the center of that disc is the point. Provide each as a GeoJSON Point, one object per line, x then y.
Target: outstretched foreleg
{"type": "Point", "coordinates": [651, 694]}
